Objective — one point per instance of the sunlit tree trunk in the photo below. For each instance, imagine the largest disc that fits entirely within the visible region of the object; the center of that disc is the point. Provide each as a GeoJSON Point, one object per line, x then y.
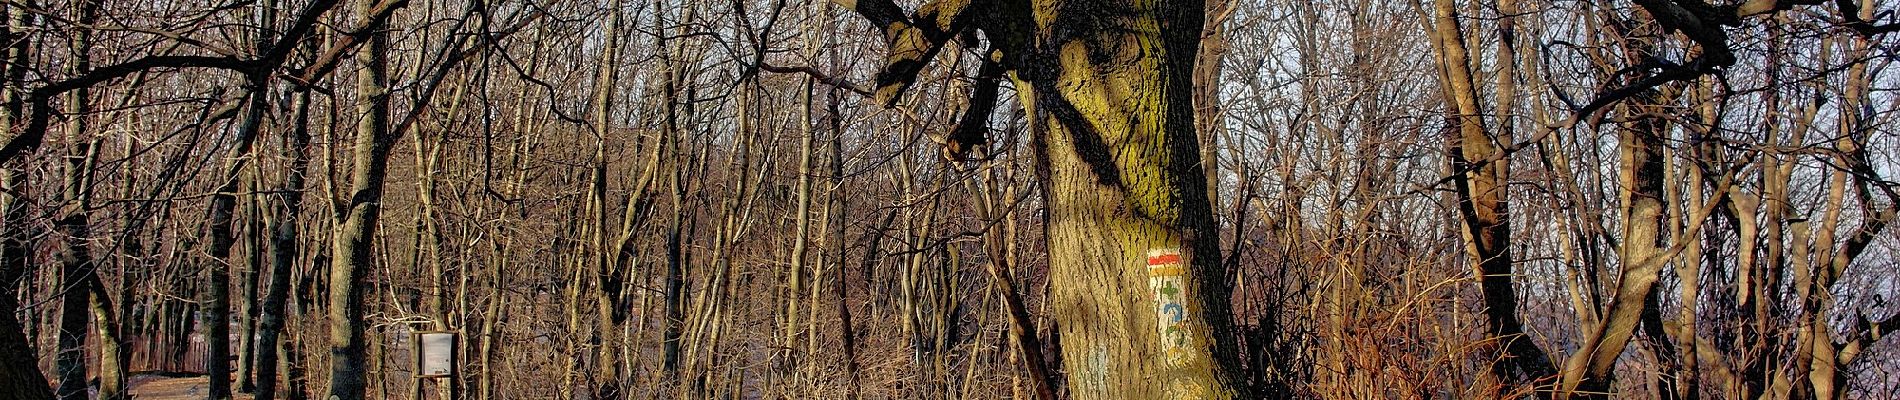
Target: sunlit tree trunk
{"type": "Point", "coordinates": [676, 110]}
{"type": "Point", "coordinates": [801, 235]}
{"type": "Point", "coordinates": [1481, 171]}
{"type": "Point", "coordinates": [350, 252]}
{"type": "Point", "coordinates": [1026, 344]}
{"type": "Point", "coordinates": [609, 274]}
{"type": "Point", "coordinates": [1137, 290]}
{"type": "Point", "coordinates": [1588, 372]}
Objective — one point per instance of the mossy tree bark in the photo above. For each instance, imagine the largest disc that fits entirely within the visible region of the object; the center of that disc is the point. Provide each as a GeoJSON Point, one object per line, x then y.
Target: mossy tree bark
{"type": "Point", "coordinates": [1136, 287]}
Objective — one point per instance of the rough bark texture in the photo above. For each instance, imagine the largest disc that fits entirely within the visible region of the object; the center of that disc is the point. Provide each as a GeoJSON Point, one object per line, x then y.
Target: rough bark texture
{"type": "Point", "coordinates": [1114, 126]}
{"type": "Point", "coordinates": [1136, 287]}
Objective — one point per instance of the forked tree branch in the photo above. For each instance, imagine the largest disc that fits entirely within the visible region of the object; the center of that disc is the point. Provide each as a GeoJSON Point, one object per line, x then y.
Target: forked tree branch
{"type": "Point", "coordinates": [40, 99]}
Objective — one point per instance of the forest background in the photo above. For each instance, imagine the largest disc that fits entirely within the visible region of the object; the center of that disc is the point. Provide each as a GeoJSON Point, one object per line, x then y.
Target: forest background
{"type": "Point", "coordinates": [663, 198]}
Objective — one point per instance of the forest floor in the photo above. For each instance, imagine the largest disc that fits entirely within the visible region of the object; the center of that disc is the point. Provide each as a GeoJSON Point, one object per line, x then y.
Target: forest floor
{"type": "Point", "coordinates": [160, 387]}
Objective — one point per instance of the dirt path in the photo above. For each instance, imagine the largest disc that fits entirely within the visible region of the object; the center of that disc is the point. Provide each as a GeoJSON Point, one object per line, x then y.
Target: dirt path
{"type": "Point", "coordinates": [158, 387]}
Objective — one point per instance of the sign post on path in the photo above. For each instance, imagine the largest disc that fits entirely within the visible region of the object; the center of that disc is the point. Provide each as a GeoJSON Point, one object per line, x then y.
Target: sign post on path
{"type": "Point", "coordinates": [435, 360]}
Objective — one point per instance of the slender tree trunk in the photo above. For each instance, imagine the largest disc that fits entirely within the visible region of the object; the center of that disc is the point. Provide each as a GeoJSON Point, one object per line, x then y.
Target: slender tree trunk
{"type": "Point", "coordinates": [1827, 375]}
{"type": "Point", "coordinates": [1027, 345]}
{"type": "Point", "coordinates": [284, 250]}
{"type": "Point", "coordinates": [19, 365]}
{"type": "Point", "coordinates": [674, 278]}
{"type": "Point", "coordinates": [1481, 172]}
{"type": "Point", "coordinates": [112, 351]}
{"type": "Point", "coordinates": [1208, 115]}
{"type": "Point", "coordinates": [605, 260]}
{"type": "Point", "coordinates": [801, 237]}
{"type": "Point", "coordinates": [519, 151]}
{"type": "Point", "coordinates": [835, 212]}
{"type": "Point", "coordinates": [223, 237]}
{"type": "Point", "coordinates": [77, 267]}
{"type": "Point", "coordinates": [247, 296]}
{"type": "Point", "coordinates": [265, 15]}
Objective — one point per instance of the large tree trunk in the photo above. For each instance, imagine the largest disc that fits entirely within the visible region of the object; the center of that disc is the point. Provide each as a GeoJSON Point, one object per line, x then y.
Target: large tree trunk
{"type": "Point", "coordinates": [1136, 287]}
{"type": "Point", "coordinates": [350, 251]}
{"type": "Point", "coordinates": [19, 367]}
{"type": "Point", "coordinates": [76, 270]}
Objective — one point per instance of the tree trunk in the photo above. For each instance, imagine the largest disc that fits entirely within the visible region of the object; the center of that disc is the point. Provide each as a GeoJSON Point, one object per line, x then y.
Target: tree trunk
{"type": "Point", "coordinates": [350, 252]}
{"type": "Point", "coordinates": [801, 237]}
{"type": "Point", "coordinates": [19, 365]}
{"type": "Point", "coordinates": [223, 237]}
{"type": "Point", "coordinates": [1128, 211]}
{"type": "Point", "coordinates": [1481, 172]}
{"type": "Point", "coordinates": [247, 295]}
{"type": "Point", "coordinates": [284, 250]}
{"type": "Point", "coordinates": [1026, 343]}
{"type": "Point", "coordinates": [112, 351]}
{"type": "Point", "coordinates": [77, 267]}
{"type": "Point", "coordinates": [1137, 286]}
{"type": "Point", "coordinates": [847, 333]}
{"type": "Point", "coordinates": [1589, 371]}
{"type": "Point", "coordinates": [609, 273]}
{"type": "Point", "coordinates": [265, 15]}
